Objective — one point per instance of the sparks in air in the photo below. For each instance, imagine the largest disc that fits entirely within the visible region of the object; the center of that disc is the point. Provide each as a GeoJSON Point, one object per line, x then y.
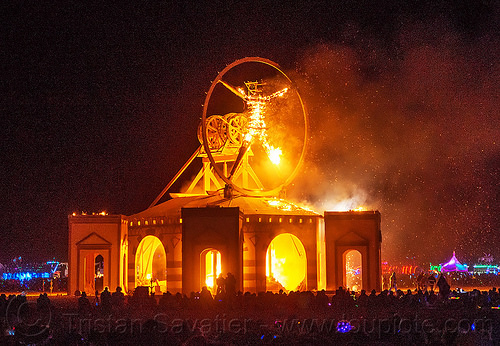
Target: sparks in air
{"type": "Point", "coordinates": [257, 128]}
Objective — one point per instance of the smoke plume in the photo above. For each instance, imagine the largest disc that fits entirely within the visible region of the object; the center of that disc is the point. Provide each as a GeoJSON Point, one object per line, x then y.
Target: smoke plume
{"type": "Point", "coordinates": [410, 129]}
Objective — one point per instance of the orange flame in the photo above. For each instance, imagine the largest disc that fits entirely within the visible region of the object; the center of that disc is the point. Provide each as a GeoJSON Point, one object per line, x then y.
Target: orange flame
{"type": "Point", "coordinates": [286, 262]}
{"type": "Point", "coordinates": [361, 208]}
{"type": "Point", "coordinates": [257, 127]}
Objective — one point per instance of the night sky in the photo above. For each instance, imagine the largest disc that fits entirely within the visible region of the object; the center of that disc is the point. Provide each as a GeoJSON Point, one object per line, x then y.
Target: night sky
{"type": "Point", "coordinates": [100, 106]}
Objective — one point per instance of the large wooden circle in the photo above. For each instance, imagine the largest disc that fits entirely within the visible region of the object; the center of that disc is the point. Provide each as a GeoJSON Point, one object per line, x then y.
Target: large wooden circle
{"type": "Point", "coordinates": [253, 192]}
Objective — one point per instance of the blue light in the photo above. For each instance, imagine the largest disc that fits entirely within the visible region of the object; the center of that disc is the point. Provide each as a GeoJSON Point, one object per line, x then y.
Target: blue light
{"type": "Point", "coordinates": [343, 326]}
{"type": "Point", "coordinates": [25, 276]}
{"type": "Point", "coordinates": [473, 327]}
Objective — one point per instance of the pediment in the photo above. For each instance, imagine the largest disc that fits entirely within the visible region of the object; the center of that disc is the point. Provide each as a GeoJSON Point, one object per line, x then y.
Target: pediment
{"type": "Point", "coordinates": [352, 238]}
{"type": "Point", "coordinates": [94, 239]}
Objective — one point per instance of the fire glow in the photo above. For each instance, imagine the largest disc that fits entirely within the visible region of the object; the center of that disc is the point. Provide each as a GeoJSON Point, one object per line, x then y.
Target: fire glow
{"type": "Point", "coordinates": [286, 263]}
{"type": "Point", "coordinates": [257, 127]}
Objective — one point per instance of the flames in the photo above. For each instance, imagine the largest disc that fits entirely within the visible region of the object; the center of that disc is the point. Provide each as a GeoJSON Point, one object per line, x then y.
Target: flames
{"type": "Point", "coordinates": [280, 204]}
{"type": "Point", "coordinates": [213, 268]}
{"type": "Point", "coordinates": [361, 208]}
{"type": "Point", "coordinates": [286, 263]}
{"type": "Point", "coordinates": [274, 154]}
{"type": "Point", "coordinates": [285, 205]}
{"type": "Point", "coordinates": [257, 127]}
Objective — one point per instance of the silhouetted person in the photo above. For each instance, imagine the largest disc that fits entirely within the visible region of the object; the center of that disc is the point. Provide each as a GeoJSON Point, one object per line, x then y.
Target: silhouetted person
{"type": "Point", "coordinates": [3, 304]}
{"type": "Point", "coordinates": [118, 298]}
{"type": "Point", "coordinates": [166, 300]}
{"type": "Point", "coordinates": [444, 287]}
{"type": "Point", "coordinates": [205, 297]}
{"type": "Point", "coordinates": [230, 284]}
{"type": "Point", "coordinates": [96, 299]}
{"type": "Point", "coordinates": [393, 281]}
{"type": "Point", "coordinates": [431, 298]}
{"type": "Point", "coordinates": [420, 279]}
{"type": "Point", "coordinates": [431, 280]}
{"type": "Point", "coordinates": [83, 304]}
{"type": "Point", "coordinates": [106, 299]}
{"type": "Point", "coordinates": [43, 302]}
{"type": "Point", "coordinates": [221, 284]}
{"type": "Point", "coordinates": [321, 299]}
{"type": "Point", "coordinates": [363, 299]}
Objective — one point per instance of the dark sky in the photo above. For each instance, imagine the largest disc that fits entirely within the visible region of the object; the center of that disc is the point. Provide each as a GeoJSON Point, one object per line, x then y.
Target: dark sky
{"type": "Point", "coordinates": [100, 106]}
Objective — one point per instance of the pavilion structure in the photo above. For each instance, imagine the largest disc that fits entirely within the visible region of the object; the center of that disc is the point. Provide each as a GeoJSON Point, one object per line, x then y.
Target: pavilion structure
{"type": "Point", "coordinates": [453, 265]}
{"type": "Point", "coordinates": [232, 219]}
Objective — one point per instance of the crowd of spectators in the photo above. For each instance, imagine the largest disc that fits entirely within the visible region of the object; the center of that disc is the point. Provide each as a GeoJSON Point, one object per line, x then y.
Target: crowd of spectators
{"type": "Point", "coordinates": [283, 318]}
{"type": "Point", "coordinates": [454, 279]}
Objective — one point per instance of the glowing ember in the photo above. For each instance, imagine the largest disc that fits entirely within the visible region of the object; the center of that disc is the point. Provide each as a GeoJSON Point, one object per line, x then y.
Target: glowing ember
{"type": "Point", "coordinates": [102, 213]}
{"type": "Point", "coordinates": [282, 204]}
{"type": "Point", "coordinates": [360, 209]}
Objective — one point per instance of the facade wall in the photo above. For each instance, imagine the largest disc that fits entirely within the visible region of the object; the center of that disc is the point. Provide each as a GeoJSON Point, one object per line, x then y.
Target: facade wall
{"type": "Point", "coordinates": [353, 230]}
{"type": "Point", "coordinates": [243, 241]}
{"type": "Point", "coordinates": [260, 230]}
{"type": "Point", "coordinates": [211, 228]}
{"type": "Point", "coordinates": [90, 236]}
{"type": "Point", "coordinates": [169, 231]}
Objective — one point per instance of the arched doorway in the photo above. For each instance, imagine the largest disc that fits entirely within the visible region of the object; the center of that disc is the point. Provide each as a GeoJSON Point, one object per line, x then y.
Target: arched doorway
{"type": "Point", "coordinates": [98, 273]}
{"type": "Point", "coordinates": [211, 267]}
{"type": "Point", "coordinates": [353, 270]}
{"type": "Point", "coordinates": [286, 264]}
{"type": "Point", "coordinates": [151, 264]}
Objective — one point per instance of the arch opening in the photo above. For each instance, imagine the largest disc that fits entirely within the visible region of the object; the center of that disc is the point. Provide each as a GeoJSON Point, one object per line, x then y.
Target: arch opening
{"type": "Point", "coordinates": [286, 264]}
{"type": "Point", "coordinates": [353, 270]}
{"type": "Point", "coordinates": [151, 264]}
{"type": "Point", "coordinates": [99, 273]}
{"type": "Point", "coordinates": [211, 268]}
